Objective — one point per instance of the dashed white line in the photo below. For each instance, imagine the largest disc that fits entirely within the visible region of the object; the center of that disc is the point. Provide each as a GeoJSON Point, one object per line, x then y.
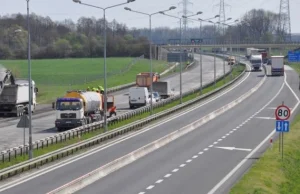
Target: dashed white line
{"type": "Point", "coordinates": [227, 134]}
{"type": "Point", "coordinates": [238, 127]}
{"type": "Point", "coordinates": [230, 131]}
{"type": "Point", "coordinates": [188, 161]}
{"type": "Point", "coordinates": [234, 129]}
{"type": "Point", "coordinates": [206, 149]}
{"type": "Point", "coordinates": [211, 146]}
{"type": "Point", "coordinates": [175, 170]}
{"type": "Point", "coordinates": [216, 142]}
{"type": "Point", "coordinates": [141, 192]}
{"type": "Point", "coordinates": [200, 153]}
{"type": "Point", "coordinates": [224, 137]}
{"type": "Point", "coordinates": [182, 165]}
{"type": "Point", "coordinates": [167, 175]}
{"type": "Point", "coordinates": [220, 139]}
{"type": "Point", "coordinates": [159, 181]}
{"type": "Point", "coordinates": [195, 156]}
{"type": "Point", "coordinates": [150, 187]}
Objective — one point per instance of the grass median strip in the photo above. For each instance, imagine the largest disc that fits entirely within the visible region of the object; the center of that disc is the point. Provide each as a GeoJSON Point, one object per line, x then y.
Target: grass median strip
{"type": "Point", "coordinates": [272, 175]}
{"type": "Point", "coordinates": [236, 71]}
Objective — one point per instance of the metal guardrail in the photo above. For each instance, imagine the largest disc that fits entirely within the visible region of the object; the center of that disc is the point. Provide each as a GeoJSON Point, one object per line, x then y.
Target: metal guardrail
{"type": "Point", "coordinates": [27, 165]}
{"type": "Point", "coordinates": [22, 150]}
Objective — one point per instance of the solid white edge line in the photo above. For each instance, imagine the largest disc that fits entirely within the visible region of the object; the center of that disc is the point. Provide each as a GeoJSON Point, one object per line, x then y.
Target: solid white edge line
{"type": "Point", "coordinates": [229, 175]}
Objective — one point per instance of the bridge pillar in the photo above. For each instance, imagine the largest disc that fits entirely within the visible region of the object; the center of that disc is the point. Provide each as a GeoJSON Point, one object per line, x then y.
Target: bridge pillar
{"type": "Point", "coordinates": [270, 51]}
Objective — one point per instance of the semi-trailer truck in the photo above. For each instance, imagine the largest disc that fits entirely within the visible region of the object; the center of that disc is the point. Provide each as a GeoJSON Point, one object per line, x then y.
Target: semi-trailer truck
{"type": "Point", "coordinates": [14, 98]}
{"type": "Point", "coordinates": [144, 79]}
{"type": "Point", "coordinates": [256, 62]}
{"type": "Point", "coordinates": [277, 65]}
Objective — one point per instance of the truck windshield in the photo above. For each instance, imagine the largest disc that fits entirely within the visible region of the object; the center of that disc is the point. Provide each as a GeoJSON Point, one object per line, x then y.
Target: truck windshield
{"type": "Point", "coordinates": [255, 61]}
{"type": "Point", "coordinates": [68, 106]}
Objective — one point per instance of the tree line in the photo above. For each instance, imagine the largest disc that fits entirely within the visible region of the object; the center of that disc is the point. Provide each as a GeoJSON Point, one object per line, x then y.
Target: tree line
{"type": "Point", "coordinates": [50, 39]}
{"type": "Point", "coordinates": [84, 38]}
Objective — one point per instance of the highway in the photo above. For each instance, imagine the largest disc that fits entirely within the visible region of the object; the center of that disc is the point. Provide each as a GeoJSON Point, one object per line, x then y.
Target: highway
{"type": "Point", "coordinates": [141, 174]}
{"type": "Point", "coordinates": [43, 123]}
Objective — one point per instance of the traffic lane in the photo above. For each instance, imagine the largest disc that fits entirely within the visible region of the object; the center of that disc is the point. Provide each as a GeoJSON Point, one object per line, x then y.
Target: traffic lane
{"type": "Point", "coordinates": [43, 124]}
{"type": "Point", "coordinates": [255, 131]}
{"type": "Point", "coordinates": [173, 155]}
{"type": "Point", "coordinates": [82, 166]}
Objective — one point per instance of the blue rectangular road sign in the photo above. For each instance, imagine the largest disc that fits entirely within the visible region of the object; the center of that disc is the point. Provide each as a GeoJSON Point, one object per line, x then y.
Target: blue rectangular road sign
{"type": "Point", "coordinates": [282, 126]}
{"type": "Point", "coordinates": [294, 56]}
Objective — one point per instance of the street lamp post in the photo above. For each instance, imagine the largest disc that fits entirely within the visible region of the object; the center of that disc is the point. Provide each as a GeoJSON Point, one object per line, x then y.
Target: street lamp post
{"type": "Point", "coordinates": [180, 56]}
{"type": "Point", "coordinates": [105, 77]}
{"type": "Point", "coordinates": [150, 47]}
{"type": "Point", "coordinates": [30, 84]}
{"type": "Point", "coordinates": [215, 76]}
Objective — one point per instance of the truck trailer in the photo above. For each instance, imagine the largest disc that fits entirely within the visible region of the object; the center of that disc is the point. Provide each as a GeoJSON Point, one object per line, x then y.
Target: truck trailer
{"type": "Point", "coordinates": [144, 79]}
{"type": "Point", "coordinates": [277, 65]}
{"type": "Point", "coordinates": [14, 98]}
{"type": "Point", "coordinates": [163, 88]}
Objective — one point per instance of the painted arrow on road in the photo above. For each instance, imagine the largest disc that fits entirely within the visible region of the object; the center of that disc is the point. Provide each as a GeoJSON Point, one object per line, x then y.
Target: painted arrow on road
{"type": "Point", "coordinates": [233, 148]}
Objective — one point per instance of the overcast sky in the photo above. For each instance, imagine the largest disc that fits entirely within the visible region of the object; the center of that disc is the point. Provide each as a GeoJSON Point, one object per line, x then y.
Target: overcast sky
{"type": "Point", "coordinates": [66, 9]}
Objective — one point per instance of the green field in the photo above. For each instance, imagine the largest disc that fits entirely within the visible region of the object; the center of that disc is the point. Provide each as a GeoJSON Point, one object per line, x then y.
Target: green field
{"type": "Point", "coordinates": [272, 175]}
{"type": "Point", "coordinates": [54, 77]}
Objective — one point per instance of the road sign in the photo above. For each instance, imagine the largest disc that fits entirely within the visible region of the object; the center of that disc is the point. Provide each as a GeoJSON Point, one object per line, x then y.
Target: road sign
{"type": "Point", "coordinates": [282, 126]}
{"type": "Point", "coordinates": [294, 56]}
{"type": "Point", "coordinates": [196, 40]}
{"type": "Point", "coordinates": [282, 112]}
{"type": "Point", "coordinates": [24, 122]}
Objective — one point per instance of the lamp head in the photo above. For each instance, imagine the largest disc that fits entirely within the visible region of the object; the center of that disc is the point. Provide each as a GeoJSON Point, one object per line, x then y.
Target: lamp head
{"type": "Point", "coordinates": [216, 16]}
{"type": "Point", "coordinates": [129, 1]}
{"type": "Point", "coordinates": [76, 1]}
{"type": "Point", "coordinates": [199, 12]}
{"type": "Point", "coordinates": [229, 19]}
{"type": "Point", "coordinates": [172, 7]}
{"type": "Point", "coordinates": [161, 12]}
{"type": "Point", "coordinates": [127, 8]}
{"type": "Point", "coordinates": [184, 16]}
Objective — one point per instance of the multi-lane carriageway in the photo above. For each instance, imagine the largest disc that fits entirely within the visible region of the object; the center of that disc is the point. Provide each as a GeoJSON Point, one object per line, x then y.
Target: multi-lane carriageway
{"type": "Point", "coordinates": [194, 163]}
{"type": "Point", "coordinates": [43, 122]}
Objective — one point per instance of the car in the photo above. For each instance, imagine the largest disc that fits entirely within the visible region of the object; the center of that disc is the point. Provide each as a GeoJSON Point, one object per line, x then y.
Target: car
{"type": "Point", "coordinates": [156, 97]}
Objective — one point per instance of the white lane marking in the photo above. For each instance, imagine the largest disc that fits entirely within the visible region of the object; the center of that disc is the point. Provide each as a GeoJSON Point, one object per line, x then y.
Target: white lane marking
{"type": "Point", "coordinates": [219, 139]}
{"type": "Point", "coordinates": [234, 129]}
{"type": "Point", "coordinates": [188, 161]}
{"type": "Point", "coordinates": [200, 153]}
{"type": "Point", "coordinates": [215, 142]}
{"type": "Point", "coordinates": [230, 131]}
{"type": "Point", "coordinates": [224, 137]}
{"type": "Point", "coordinates": [210, 146]}
{"type": "Point", "coordinates": [159, 181]}
{"type": "Point", "coordinates": [182, 165]}
{"type": "Point", "coordinates": [141, 192]}
{"type": "Point", "coordinates": [206, 149]}
{"type": "Point", "coordinates": [234, 148]}
{"type": "Point", "coordinates": [233, 171]}
{"type": "Point", "coordinates": [227, 134]}
{"type": "Point", "coordinates": [150, 187]}
{"type": "Point", "coordinates": [195, 156]}
{"type": "Point", "coordinates": [109, 144]}
{"type": "Point", "coordinates": [167, 175]}
{"type": "Point", "coordinates": [266, 118]}
{"type": "Point", "coordinates": [239, 126]}
{"type": "Point", "coordinates": [175, 170]}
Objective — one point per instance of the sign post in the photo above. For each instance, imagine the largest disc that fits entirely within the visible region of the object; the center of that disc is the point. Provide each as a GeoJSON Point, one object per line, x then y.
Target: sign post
{"type": "Point", "coordinates": [282, 125]}
{"type": "Point", "coordinates": [23, 123]}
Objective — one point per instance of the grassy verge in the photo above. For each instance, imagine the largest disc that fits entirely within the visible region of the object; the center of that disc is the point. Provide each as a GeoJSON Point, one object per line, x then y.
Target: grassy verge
{"type": "Point", "coordinates": [272, 175]}
{"type": "Point", "coordinates": [54, 77]}
{"type": "Point", "coordinates": [236, 71]}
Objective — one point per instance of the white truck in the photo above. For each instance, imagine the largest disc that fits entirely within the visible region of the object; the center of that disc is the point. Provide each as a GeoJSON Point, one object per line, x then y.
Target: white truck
{"type": "Point", "coordinates": [14, 98]}
{"type": "Point", "coordinates": [277, 65]}
{"type": "Point", "coordinates": [256, 62]}
{"type": "Point", "coordinates": [163, 88]}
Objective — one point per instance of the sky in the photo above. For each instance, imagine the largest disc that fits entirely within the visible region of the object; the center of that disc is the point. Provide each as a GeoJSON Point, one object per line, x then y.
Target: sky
{"type": "Point", "coordinates": [59, 10]}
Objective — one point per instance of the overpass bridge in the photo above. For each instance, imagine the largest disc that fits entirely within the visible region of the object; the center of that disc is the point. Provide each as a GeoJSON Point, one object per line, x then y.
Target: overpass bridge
{"type": "Point", "coordinates": [163, 49]}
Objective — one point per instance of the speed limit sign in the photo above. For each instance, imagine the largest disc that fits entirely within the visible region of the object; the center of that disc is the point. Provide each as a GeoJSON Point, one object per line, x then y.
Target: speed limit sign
{"type": "Point", "coordinates": [282, 113]}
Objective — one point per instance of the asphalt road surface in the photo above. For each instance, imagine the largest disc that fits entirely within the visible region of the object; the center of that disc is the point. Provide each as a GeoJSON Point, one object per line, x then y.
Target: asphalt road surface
{"type": "Point", "coordinates": [43, 123]}
{"type": "Point", "coordinates": [198, 175]}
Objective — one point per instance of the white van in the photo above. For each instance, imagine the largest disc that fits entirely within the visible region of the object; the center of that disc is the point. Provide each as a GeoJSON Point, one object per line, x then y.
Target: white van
{"type": "Point", "coordinates": [138, 96]}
